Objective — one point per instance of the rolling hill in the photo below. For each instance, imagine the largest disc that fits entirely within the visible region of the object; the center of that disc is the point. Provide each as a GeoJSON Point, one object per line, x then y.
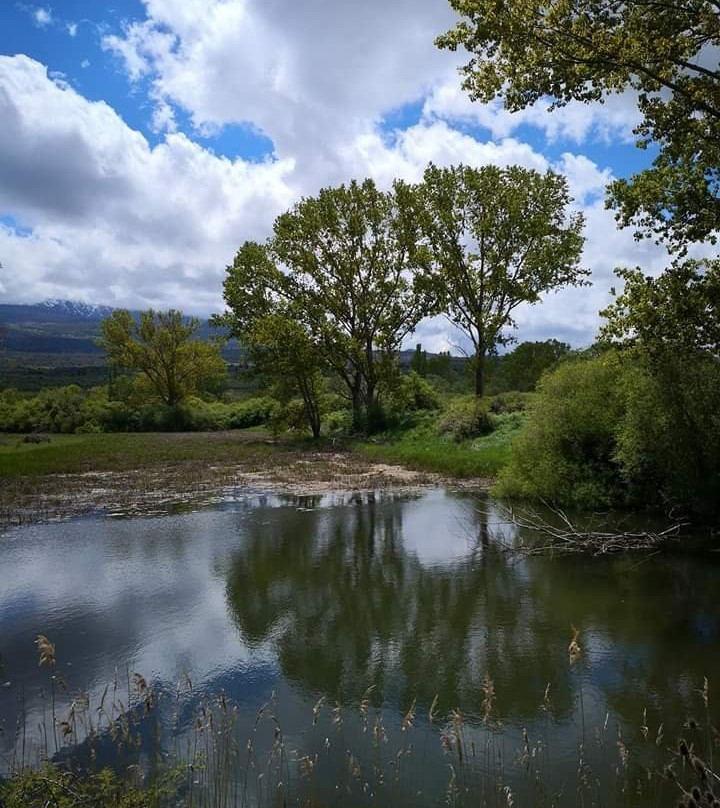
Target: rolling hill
{"type": "Point", "coordinates": [54, 342]}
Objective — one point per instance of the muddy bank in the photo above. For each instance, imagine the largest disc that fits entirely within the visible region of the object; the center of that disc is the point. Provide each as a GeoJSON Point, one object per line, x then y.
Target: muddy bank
{"type": "Point", "coordinates": [193, 484]}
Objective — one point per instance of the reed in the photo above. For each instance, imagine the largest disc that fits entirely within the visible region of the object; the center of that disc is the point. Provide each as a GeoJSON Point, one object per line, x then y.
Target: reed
{"type": "Point", "coordinates": [140, 745]}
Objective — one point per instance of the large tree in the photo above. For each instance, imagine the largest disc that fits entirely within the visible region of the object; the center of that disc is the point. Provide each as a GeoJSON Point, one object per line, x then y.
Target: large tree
{"type": "Point", "coordinates": [162, 348]}
{"type": "Point", "coordinates": [497, 238]}
{"type": "Point", "coordinates": [665, 51]}
{"type": "Point", "coordinates": [349, 262]}
{"type": "Point", "coordinates": [676, 313]}
{"type": "Point", "coordinates": [264, 316]}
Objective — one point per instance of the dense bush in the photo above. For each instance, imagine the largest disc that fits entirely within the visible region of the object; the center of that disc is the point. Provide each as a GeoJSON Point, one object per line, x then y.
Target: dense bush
{"type": "Point", "coordinates": [289, 416]}
{"type": "Point", "coordinates": [411, 393]}
{"type": "Point", "coordinates": [338, 422]}
{"type": "Point", "coordinates": [65, 409]}
{"type": "Point", "coordinates": [668, 444]}
{"type": "Point", "coordinates": [510, 402]}
{"type": "Point", "coordinates": [465, 418]}
{"type": "Point", "coordinates": [615, 430]}
{"type": "Point", "coordinates": [74, 410]}
{"type": "Point", "coordinates": [406, 399]}
{"type": "Point", "coordinates": [252, 412]}
{"type": "Point", "coordinates": [566, 453]}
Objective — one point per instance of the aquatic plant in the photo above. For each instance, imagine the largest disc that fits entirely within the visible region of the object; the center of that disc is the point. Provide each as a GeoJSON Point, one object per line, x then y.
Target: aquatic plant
{"type": "Point", "coordinates": [140, 745]}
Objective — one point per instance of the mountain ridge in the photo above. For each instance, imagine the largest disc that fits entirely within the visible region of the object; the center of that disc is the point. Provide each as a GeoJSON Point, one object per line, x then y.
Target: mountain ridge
{"type": "Point", "coordinates": [57, 327]}
{"type": "Point", "coordinates": [90, 311]}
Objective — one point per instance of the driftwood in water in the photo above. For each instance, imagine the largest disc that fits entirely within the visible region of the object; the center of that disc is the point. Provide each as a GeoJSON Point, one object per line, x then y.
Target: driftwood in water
{"type": "Point", "coordinates": [563, 536]}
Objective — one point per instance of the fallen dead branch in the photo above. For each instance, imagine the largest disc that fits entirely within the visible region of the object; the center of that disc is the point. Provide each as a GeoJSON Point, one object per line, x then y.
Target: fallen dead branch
{"type": "Point", "coordinates": [560, 535]}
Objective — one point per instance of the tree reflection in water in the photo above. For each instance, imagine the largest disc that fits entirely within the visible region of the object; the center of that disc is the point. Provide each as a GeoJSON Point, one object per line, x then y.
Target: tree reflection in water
{"type": "Point", "coordinates": [328, 596]}
{"type": "Point", "coordinates": [349, 602]}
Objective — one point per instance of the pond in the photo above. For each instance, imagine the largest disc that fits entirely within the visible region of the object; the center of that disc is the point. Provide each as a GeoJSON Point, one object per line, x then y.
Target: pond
{"type": "Point", "coordinates": [353, 618]}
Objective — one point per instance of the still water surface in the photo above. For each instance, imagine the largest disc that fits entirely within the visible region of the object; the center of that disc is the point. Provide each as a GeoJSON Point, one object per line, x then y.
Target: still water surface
{"type": "Point", "coordinates": [327, 596]}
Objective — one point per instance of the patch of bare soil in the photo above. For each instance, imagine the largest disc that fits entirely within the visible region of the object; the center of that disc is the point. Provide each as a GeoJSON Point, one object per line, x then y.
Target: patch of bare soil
{"type": "Point", "coordinates": [155, 490]}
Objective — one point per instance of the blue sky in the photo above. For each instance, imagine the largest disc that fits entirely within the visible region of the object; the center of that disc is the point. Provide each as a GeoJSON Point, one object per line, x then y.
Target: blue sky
{"type": "Point", "coordinates": [144, 141]}
{"type": "Point", "coordinates": [70, 45]}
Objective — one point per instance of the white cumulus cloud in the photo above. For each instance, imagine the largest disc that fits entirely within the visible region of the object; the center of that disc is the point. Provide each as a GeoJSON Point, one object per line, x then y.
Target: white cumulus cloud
{"type": "Point", "coordinates": [113, 218]}
{"type": "Point", "coordinates": [101, 214]}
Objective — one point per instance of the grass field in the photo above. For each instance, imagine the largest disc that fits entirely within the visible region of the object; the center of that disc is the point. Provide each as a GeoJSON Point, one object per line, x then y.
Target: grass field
{"type": "Point", "coordinates": [420, 448]}
{"type": "Point", "coordinates": [72, 454]}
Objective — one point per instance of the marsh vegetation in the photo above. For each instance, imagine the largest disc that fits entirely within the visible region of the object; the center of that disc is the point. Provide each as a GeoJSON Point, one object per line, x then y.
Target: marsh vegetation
{"type": "Point", "coordinates": [376, 648]}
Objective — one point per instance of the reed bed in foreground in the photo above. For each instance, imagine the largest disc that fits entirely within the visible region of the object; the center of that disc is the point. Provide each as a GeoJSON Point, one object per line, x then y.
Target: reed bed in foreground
{"type": "Point", "coordinates": [140, 745]}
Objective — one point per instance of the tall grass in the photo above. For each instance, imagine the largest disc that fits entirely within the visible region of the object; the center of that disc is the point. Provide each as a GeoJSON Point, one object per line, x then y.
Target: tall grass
{"type": "Point", "coordinates": [424, 450]}
{"type": "Point", "coordinates": [140, 746]}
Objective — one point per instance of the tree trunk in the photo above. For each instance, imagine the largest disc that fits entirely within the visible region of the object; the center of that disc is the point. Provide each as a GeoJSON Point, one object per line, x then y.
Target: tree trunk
{"type": "Point", "coordinates": [310, 404]}
{"type": "Point", "coordinates": [371, 408]}
{"type": "Point", "coordinates": [480, 372]}
{"type": "Point", "coordinates": [371, 413]}
{"type": "Point", "coordinates": [357, 405]}
{"type": "Point", "coordinates": [313, 416]}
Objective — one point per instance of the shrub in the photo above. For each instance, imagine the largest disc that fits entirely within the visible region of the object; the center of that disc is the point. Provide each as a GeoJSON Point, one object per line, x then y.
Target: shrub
{"type": "Point", "coordinates": [72, 409]}
{"type": "Point", "coordinates": [405, 397]}
{"type": "Point", "coordinates": [619, 429]}
{"type": "Point", "coordinates": [465, 418]}
{"type": "Point", "coordinates": [289, 415]}
{"type": "Point", "coordinates": [566, 452]}
{"type": "Point", "coordinates": [338, 422]}
{"type": "Point", "coordinates": [116, 416]}
{"type": "Point", "coordinates": [253, 412]}
{"type": "Point", "coordinates": [513, 401]}
{"type": "Point", "coordinates": [414, 393]}
{"type": "Point", "coordinates": [668, 444]}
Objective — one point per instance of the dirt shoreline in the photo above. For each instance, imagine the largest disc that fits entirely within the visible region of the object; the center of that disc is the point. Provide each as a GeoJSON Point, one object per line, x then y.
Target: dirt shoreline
{"type": "Point", "coordinates": [156, 491]}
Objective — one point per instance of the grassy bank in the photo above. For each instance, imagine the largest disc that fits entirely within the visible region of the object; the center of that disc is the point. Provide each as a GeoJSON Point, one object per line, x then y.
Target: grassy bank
{"type": "Point", "coordinates": [77, 454]}
{"type": "Point", "coordinates": [141, 473]}
{"type": "Point", "coordinates": [424, 449]}
{"type": "Point", "coordinates": [420, 448]}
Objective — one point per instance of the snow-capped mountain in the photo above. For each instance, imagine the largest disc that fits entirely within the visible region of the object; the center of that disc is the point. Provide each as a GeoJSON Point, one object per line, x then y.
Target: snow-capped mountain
{"type": "Point", "coordinates": [77, 309]}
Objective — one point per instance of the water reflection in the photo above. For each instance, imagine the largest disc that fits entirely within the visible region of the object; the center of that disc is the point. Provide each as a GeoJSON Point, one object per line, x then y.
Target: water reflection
{"type": "Point", "coordinates": [329, 595]}
{"type": "Point", "coordinates": [413, 600]}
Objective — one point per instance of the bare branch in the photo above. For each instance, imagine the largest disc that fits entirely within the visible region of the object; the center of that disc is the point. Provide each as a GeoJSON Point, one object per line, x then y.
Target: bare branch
{"type": "Point", "coordinates": [561, 535]}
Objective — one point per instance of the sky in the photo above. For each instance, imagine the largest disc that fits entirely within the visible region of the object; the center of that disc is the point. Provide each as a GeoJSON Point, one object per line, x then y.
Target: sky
{"type": "Point", "coordinates": [142, 141]}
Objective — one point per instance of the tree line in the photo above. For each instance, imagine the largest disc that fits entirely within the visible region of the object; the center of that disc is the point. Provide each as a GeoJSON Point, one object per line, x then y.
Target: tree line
{"type": "Point", "coordinates": [348, 274]}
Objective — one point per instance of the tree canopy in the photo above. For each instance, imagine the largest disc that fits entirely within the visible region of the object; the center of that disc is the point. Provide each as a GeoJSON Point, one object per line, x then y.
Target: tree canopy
{"type": "Point", "coordinates": [160, 347]}
{"type": "Point", "coordinates": [678, 311]}
{"type": "Point", "coordinates": [496, 238]}
{"type": "Point", "coordinates": [351, 279]}
{"type": "Point", "coordinates": [263, 314]}
{"type": "Point", "coordinates": [522, 368]}
{"type": "Point", "coordinates": [583, 50]}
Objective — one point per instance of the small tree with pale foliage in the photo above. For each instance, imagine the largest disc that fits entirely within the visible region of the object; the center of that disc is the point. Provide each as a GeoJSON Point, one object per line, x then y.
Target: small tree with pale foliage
{"type": "Point", "coordinates": [161, 349]}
